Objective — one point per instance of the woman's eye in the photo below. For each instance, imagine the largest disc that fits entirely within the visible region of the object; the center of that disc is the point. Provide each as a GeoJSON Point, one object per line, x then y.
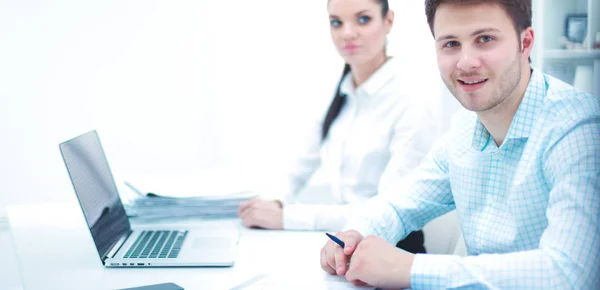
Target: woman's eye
{"type": "Point", "coordinates": [451, 44]}
{"type": "Point", "coordinates": [336, 23]}
{"type": "Point", "coordinates": [485, 39]}
{"type": "Point", "coordinates": [364, 19]}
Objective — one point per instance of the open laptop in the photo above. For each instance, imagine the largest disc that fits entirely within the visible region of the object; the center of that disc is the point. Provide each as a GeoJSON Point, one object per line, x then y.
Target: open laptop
{"type": "Point", "coordinates": [117, 244]}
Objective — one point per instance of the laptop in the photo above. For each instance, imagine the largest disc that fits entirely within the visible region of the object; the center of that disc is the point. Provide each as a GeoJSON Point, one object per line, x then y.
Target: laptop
{"type": "Point", "coordinates": [117, 243]}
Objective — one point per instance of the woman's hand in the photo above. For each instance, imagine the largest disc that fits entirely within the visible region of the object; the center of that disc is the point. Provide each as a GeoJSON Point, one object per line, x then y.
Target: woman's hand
{"type": "Point", "coordinates": [260, 213]}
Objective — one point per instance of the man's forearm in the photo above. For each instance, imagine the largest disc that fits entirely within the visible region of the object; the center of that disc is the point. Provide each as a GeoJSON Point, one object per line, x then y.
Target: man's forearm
{"type": "Point", "coordinates": [535, 269]}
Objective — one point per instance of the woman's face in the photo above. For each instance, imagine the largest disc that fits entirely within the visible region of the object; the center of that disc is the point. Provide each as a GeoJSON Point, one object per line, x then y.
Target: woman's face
{"type": "Point", "coordinates": [358, 29]}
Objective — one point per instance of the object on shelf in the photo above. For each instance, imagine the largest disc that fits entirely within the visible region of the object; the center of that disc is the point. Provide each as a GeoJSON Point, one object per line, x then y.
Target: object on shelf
{"type": "Point", "coordinates": [576, 28]}
{"type": "Point", "coordinates": [597, 42]}
{"type": "Point", "coordinates": [569, 45]}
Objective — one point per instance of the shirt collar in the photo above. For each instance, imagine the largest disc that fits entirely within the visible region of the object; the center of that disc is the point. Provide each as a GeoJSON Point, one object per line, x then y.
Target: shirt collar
{"type": "Point", "coordinates": [522, 122]}
{"type": "Point", "coordinates": [374, 83]}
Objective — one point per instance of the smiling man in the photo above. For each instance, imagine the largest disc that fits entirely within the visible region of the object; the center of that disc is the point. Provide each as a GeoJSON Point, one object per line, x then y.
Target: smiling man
{"type": "Point", "coordinates": [520, 164]}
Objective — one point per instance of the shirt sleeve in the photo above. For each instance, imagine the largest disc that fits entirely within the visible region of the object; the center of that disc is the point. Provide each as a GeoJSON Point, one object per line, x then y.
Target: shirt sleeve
{"type": "Point", "coordinates": [568, 256]}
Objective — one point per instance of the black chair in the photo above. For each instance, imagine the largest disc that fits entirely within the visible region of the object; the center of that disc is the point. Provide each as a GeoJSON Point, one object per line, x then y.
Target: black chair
{"type": "Point", "coordinates": [414, 243]}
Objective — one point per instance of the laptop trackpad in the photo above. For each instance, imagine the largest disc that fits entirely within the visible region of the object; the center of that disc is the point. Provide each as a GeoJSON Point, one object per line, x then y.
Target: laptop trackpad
{"type": "Point", "coordinates": [211, 242]}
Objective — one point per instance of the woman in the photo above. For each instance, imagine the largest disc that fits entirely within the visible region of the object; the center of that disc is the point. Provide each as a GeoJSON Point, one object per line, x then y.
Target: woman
{"type": "Point", "coordinates": [373, 124]}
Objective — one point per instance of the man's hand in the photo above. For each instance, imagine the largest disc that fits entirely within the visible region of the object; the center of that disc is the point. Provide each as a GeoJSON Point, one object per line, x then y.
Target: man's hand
{"type": "Point", "coordinates": [334, 259]}
{"type": "Point", "coordinates": [380, 264]}
{"type": "Point", "coordinates": [260, 213]}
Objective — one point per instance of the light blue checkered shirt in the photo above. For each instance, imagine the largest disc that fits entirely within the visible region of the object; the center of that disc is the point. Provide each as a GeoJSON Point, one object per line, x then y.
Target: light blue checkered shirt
{"type": "Point", "coordinates": [529, 209]}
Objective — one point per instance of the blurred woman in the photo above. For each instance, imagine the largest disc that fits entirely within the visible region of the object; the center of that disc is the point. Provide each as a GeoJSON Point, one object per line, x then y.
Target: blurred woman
{"type": "Point", "coordinates": [376, 131]}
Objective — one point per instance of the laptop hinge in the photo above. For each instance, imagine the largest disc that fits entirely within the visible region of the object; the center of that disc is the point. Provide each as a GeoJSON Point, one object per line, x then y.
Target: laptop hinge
{"type": "Point", "coordinates": [117, 246]}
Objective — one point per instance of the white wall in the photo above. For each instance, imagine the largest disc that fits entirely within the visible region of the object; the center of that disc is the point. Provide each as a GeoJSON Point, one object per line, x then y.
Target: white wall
{"type": "Point", "coordinates": [412, 41]}
{"type": "Point", "coordinates": [172, 86]}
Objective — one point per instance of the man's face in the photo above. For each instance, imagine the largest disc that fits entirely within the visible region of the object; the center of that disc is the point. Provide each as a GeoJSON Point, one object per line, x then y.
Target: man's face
{"type": "Point", "coordinates": [478, 54]}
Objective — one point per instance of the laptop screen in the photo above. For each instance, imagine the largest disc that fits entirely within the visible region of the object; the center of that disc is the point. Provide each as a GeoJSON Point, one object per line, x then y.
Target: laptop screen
{"type": "Point", "coordinates": [96, 190]}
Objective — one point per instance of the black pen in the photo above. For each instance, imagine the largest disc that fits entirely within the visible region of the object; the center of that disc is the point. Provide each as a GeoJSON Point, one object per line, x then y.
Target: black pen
{"type": "Point", "coordinates": [336, 240]}
{"type": "Point", "coordinates": [339, 242]}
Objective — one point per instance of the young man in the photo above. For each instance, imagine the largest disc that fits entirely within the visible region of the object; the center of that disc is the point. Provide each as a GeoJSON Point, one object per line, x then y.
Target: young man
{"type": "Point", "coordinates": [521, 165]}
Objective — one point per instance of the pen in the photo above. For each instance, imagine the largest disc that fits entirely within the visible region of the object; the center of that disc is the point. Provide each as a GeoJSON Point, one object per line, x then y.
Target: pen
{"type": "Point", "coordinates": [339, 242]}
{"type": "Point", "coordinates": [336, 240]}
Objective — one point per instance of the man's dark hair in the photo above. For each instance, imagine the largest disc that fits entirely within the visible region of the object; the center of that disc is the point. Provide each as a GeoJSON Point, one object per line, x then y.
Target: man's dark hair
{"type": "Point", "coordinates": [519, 12]}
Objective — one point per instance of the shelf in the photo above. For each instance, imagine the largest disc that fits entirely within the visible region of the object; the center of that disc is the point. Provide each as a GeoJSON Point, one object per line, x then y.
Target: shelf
{"type": "Point", "coordinates": [559, 54]}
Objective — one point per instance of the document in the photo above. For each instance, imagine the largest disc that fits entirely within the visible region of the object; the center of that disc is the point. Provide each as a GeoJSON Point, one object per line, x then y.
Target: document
{"type": "Point", "coordinates": [208, 196]}
{"type": "Point", "coordinates": [207, 185]}
{"type": "Point", "coordinates": [313, 281]}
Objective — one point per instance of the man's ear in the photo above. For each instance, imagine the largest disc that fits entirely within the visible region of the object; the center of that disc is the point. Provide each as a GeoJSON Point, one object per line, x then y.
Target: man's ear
{"type": "Point", "coordinates": [527, 40]}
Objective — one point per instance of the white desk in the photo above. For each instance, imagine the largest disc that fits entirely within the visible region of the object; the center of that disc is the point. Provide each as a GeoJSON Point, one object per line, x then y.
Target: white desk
{"type": "Point", "coordinates": [9, 275]}
{"type": "Point", "coordinates": [55, 250]}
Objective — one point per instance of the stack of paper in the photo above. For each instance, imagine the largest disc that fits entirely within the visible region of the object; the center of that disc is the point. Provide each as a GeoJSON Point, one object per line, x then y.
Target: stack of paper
{"type": "Point", "coordinates": [179, 199]}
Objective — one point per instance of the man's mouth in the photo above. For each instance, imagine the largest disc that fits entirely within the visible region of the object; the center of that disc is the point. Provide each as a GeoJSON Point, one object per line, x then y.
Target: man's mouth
{"type": "Point", "coordinates": [472, 82]}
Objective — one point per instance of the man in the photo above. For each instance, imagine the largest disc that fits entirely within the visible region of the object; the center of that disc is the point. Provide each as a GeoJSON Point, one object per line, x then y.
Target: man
{"type": "Point", "coordinates": [521, 165]}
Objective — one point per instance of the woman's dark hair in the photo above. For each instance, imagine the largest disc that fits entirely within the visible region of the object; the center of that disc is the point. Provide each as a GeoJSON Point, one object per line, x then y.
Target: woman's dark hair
{"type": "Point", "coordinates": [336, 105]}
{"type": "Point", "coordinates": [385, 7]}
{"type": "Point", "coordinates": [340, 100]}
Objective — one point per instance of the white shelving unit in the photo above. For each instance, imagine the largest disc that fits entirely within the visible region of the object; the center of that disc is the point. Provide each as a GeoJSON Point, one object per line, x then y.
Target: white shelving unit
{"type": "Point", "coordinates": [549, 53]}
{"type": "Point", "coordinates": [562, 54]}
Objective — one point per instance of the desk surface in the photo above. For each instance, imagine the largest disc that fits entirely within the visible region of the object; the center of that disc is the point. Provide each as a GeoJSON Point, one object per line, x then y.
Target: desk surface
{"type": "Point", "coordinates": [9, 272]}
{"type": "Point", "coordinates": [53, 249]}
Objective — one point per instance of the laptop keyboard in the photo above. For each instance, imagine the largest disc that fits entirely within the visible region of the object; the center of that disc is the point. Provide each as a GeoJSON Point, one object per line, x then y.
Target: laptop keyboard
{"type": "Point", "coordinates": [157, 245]}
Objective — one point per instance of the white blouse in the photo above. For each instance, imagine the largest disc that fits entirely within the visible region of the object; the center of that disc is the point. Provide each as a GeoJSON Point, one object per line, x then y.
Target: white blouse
{"type": "Point", "coordinates": [385, 128]}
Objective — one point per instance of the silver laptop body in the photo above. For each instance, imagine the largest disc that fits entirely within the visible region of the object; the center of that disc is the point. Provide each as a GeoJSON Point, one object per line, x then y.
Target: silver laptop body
{"type": "Point", "coordinates": [117, 243]}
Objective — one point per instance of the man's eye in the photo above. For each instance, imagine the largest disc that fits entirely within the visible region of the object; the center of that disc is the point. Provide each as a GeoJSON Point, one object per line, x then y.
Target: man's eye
{"type": "Point", "coordinates": [336, 23]}
{"type": "Point", "coordinates": [485, 39]}
{"type": "Point", "coordinates": [451, 44]}
{"type": "Point", "coordinates": [364, 19]}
